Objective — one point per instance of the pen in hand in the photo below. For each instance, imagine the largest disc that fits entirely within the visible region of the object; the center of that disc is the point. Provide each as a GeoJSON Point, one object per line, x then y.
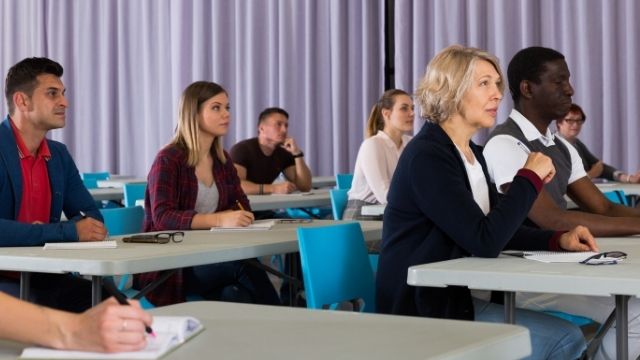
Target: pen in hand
{"type": "Point", "coordinates": [122, 300]}
{"type": "Point", "coordinates": [240, 205]}
{"type": "Point", "coordinates": [524, 148]}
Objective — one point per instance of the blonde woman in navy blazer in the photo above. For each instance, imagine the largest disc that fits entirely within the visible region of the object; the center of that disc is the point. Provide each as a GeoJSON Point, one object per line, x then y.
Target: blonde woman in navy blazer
{"type": "Point", "coordinates": [441, 206]}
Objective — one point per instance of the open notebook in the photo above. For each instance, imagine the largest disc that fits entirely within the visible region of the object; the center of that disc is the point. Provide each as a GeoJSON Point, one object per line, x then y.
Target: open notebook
{"type": "Point", "coordinates": [171, 332]}
{"type": "Point", "coordinates": [552, 256]}
{"type": "Point", "coordinates": [257, 225]}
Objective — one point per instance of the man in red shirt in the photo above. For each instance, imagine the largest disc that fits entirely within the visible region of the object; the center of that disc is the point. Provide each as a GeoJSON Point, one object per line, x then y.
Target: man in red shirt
{"type": "Point", "coordinates": [39, 180]}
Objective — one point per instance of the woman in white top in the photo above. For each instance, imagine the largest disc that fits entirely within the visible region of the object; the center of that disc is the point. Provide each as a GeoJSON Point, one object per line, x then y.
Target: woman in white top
{"type": "Point", "coordinates": [390, 119]}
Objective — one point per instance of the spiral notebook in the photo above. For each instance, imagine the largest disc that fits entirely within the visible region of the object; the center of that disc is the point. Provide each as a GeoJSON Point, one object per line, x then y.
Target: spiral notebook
{"type": "Point", "coordinates": [171, 332]}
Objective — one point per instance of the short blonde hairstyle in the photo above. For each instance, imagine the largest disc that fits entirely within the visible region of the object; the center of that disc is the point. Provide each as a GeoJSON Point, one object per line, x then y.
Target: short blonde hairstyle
{"type": "Point", "coordinates": [447, 79]}
{"type": "Point", "coordinates": [188, 129]}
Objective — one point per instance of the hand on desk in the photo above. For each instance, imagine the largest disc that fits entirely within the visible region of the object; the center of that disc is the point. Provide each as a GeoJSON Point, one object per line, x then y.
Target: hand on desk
{"type": "Point", "coordinates": [285, 187]}
{"type": "Point", "coordinates": [234, 218]}
{"type": "Point", "coordinates": [90, 229]}
{"type": "Point", "coordinates": [108, 327]}
{"type": "Point", "coordinates": [578, 239]}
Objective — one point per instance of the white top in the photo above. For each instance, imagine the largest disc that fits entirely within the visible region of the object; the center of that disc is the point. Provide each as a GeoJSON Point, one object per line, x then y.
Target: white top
{"type": "Point", "coordinates": [505, 157]}
{"type": "Point", "coordinates": [478, 183]}
{"type": "Point", "coordinates": [207, 198]}
{"type": "Point", "coordinates": [377, 160]}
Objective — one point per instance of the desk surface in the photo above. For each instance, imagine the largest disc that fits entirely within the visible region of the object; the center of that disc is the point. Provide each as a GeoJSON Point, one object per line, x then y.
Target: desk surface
{"type": "Point", "coordinates": [323, 181]}
{"type": "Point", "coordinates": [242, 331]}
{"type": "Point", "coordinates": [198, 248]}
{"type": "Point", "coordinates": [316, 198]}
{"type": "Point", "coordinates": [510, 273]}
{"type": "Point", "coordinates": [119, 182]}
{"type": "Point", "coordinates": [100, 194]}
{"type": "Point", "coordinates": [629, 189]}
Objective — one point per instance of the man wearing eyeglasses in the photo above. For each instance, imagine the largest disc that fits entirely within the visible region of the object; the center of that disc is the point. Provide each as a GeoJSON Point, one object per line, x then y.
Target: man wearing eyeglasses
{"type": "Point", "coordinates": [569, 128]}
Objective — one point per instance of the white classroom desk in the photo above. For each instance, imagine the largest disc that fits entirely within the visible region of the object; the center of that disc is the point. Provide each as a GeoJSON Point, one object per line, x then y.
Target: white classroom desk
{"type": "Point", "coordinates": [511, 274]}
{"type": "Point", "coordinates": [243, 331]}
{"type": "Point", "coordinates": [323, 182]}
{"type": "Point", "coordinates": [118, 182]}
{"type": "Point", "coordinates": [99, 194]}
{"type": "Point", "coordinates": [198, 248]}
{"type": "Point", "coordinates": [316, 198]}
{"type": "Point", "coordinates": [629, 189]}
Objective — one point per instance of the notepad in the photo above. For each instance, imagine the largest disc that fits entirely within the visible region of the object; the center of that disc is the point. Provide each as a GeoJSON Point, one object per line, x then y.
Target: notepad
{"type": "Point", "coordinates": [373, 210]}
{"type": "Point", "coordinates": [171, 332]}
{"type": "Point", "coordinates": [552, 256]}
{"type": "Point", "coordinates": [80, 245]}
{"type": "Point", "coordinates": [259, 225]}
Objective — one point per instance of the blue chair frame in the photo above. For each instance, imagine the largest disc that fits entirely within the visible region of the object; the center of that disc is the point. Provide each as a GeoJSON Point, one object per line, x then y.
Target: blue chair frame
{"type": "Point", "coordinates": [339, 200]}
{"type": "Point", "coordinates": [343, 181]}
{"type": "Point", "coordinates": [347, 277]}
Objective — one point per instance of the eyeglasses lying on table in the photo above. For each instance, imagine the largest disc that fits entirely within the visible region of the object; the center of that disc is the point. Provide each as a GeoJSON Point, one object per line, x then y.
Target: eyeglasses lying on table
{"type": "Point", "coordinates": [605, 258]}
{"type": "Point", "coordinates": [159, 238]}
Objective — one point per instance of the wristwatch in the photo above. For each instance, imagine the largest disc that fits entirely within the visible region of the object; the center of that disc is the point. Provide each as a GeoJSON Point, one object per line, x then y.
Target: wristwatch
{"type": "Point", "coordinates": [300, 154]}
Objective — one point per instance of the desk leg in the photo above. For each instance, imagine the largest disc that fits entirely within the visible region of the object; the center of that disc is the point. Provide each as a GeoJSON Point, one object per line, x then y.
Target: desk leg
{"type": "Point", "coordinates": [96, 290]}
{"type": "Point", "coordinates": [25, 279]}
{"type": "Point", "coordinates": [622, 325]}
{"type": "Point", "coordinates": [510, 307]}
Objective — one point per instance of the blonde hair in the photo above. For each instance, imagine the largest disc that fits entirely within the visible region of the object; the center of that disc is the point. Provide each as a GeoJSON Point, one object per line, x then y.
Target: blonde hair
{"type": "Point", "coordinates": [188, 130]}
{"type": "Point", "coordinates": [447, 79]}
{"type": "Point", "coordinates": [386, 101]}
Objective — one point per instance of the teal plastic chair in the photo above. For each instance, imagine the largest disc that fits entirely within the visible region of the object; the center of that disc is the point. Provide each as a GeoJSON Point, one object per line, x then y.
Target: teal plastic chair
{"type": "Point", "coordinates": [343, 181]}
{"type": "Point", "coordinates": [90, 183]}
{"type": "Point", "coordinates": [347, 277]}
{"type": "Point", "coordinates": [133, 192]}
{"type": "Point", "coordinates": [339, 200]}
{"type": "Point", "coordinates": [122, 221]}
{"type": "Point", "coordinates": [617, 197]}
{"type": "Point", "coordinates": [104, 175]}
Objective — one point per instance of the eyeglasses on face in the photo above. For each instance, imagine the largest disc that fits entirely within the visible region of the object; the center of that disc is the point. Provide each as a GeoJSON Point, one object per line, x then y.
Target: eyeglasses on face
{"type": "Point", "coordinates": [573, 121]}
{"type": "Point", "coordinates": [607, 257]}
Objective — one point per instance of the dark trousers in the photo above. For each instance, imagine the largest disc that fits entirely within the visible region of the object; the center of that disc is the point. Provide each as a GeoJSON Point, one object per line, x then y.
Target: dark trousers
{"type": "Point", "coordinates": [59, 291]}
{"type": "Point", "coordinates": [234, 281]}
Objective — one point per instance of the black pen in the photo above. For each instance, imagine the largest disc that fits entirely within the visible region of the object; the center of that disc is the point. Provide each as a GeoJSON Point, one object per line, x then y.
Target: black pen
{"type": "Point", "coordinates": [122, 300]}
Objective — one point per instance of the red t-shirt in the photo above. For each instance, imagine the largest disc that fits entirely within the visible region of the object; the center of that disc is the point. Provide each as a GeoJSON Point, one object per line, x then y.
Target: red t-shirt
{"type": "Point", "coordinates": [36, 191]}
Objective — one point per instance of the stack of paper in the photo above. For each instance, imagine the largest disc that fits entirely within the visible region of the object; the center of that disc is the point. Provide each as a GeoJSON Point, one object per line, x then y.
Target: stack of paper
{"type": "Point", "coordinates": [556, 256]}
{"type": "Point", "coordinates": [258, 225]}
{"type": "Point", "coordinates": [79, 245]}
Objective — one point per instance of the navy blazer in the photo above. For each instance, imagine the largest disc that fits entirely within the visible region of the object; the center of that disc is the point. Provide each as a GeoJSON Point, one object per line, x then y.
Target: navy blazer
{"type": "Point", "coordinates": [68, 194]}
{"type": "Point", "coordinates": [431, 216]}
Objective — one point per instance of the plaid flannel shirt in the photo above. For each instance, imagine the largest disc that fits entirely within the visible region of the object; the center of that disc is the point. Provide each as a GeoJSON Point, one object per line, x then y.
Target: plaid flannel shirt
{"type": "Point", "coordinates": [172, 189]}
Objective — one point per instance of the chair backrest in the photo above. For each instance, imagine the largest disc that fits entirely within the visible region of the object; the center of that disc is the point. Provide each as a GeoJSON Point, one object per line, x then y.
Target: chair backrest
{"type": "Point", "coordinates": [617, 197]}
{"type": "Point", "coordinates": [95, 175]}
{"type": "Point", "coordinates": [335, 266]}
{"type": "Point", "coordinates": [90, 183]}
{"type": "Point", "coordinates": [343, 181]}
{"type": "Point", "coordinates": [339, 199]}
{"type": "Point", "coordinates": [133, 192]}
{"type": "Point", "coordinates": [120, 221]}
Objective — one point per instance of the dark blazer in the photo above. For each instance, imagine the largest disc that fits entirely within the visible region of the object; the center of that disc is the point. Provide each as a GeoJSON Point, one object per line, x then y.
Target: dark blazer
{"type": "Point", "coordinates": [431, 216]}
{"type": "Point", "coordinates": [68, 194]}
